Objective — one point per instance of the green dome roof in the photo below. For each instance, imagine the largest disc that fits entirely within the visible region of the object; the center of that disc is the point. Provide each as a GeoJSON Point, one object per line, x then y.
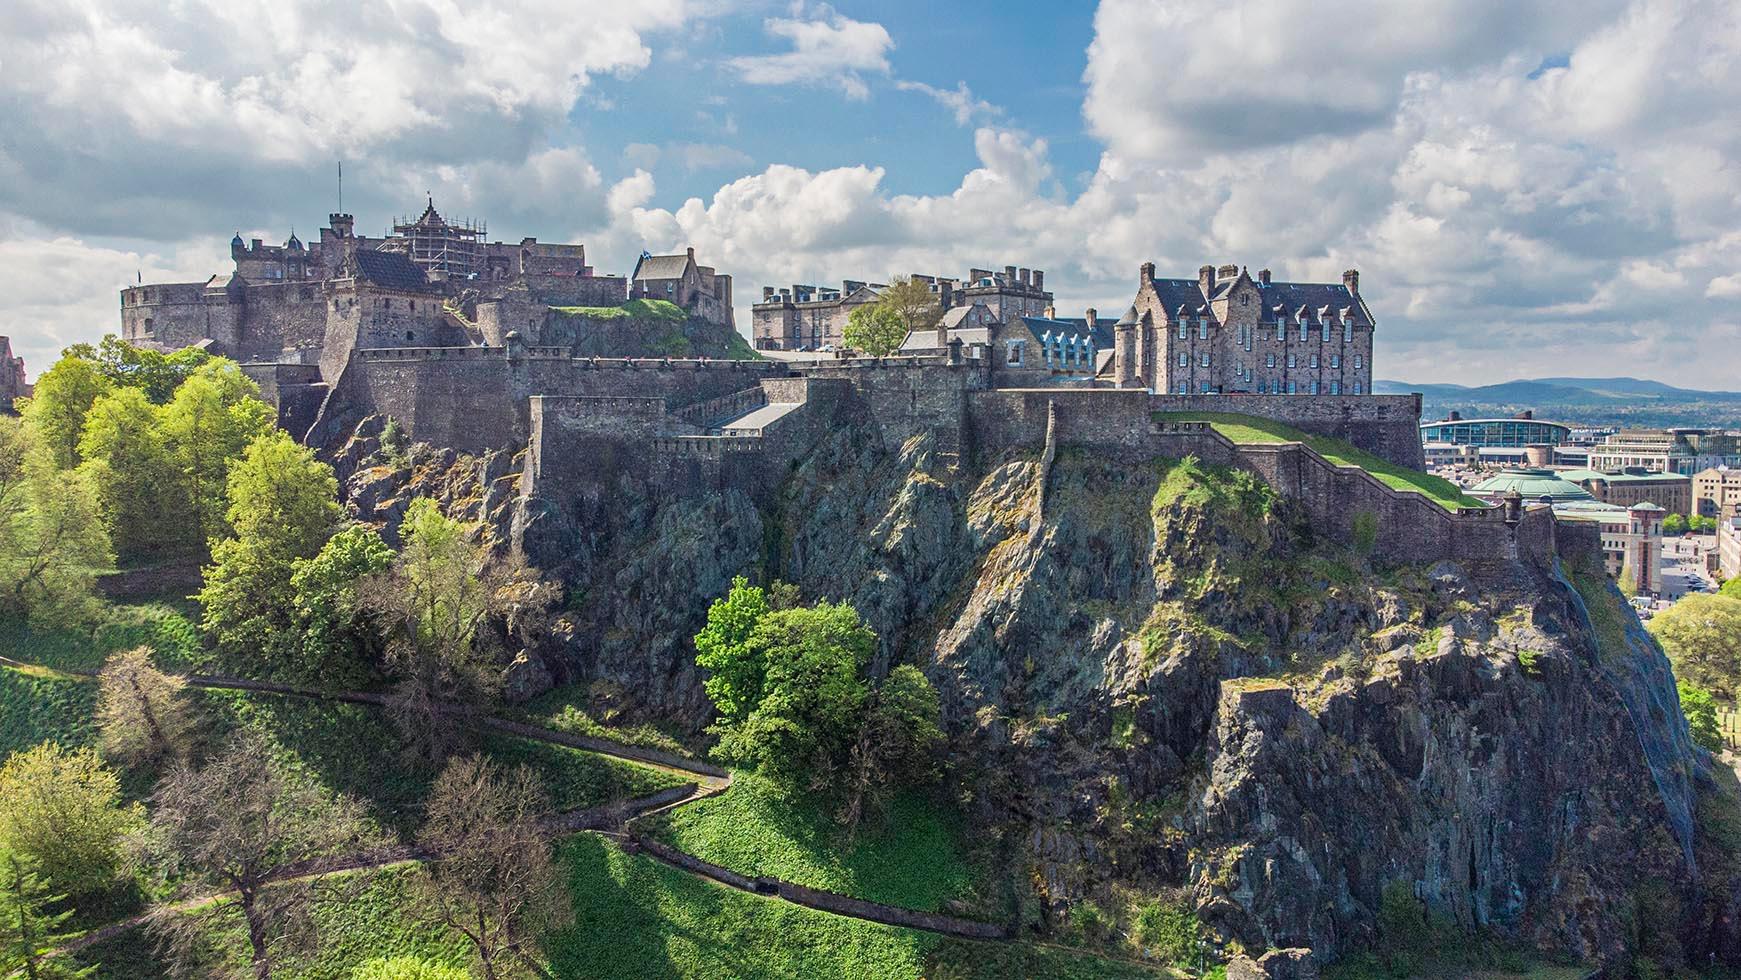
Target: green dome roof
{"type": "Point", "coordinates": [1533, 485]}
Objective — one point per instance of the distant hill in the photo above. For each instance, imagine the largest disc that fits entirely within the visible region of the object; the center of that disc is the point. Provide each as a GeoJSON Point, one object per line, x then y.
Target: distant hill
{"type": "Point", "coordinates": [1597, 401]}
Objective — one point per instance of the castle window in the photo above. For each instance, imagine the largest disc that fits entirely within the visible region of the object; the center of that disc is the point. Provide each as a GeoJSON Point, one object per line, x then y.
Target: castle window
{"type": "Point", "coordinates": [1348, 331]}
{"type": "Point", "coordinates": [1182, 328]}
{"type": "Point", "coordinates": [1335, 387]}
{"type": "Point", "coordinates": [1314, 360]}
{"type": "Point", "coordinates": [1263, 387]}
{"type": "Point", "coordinates": [1269, 360]}
{"type": "Point", "coordinates": [1326, 331]}
{"type": "Point", "coordinates": [1305, 329]}
{"type": "Point", "coordinates": [1181, 387]}
{"type": "Point", "coordinates": [1357, 387]}
{"type": "Point", "coordinates": [1202, 328]}
{"type": "Point", "coordinates": [1292, 360]}
{"type": "Point", "coordinates": [1013, 353]}
{"type": "Point", "coordinates": [1293, 387]}
{"type": "Point", "coordinates": [1335, 360]}
{"type": "Point", "coordinates": [1205, 359]}
{"type": "Point", "coordinates": [1314, 387]}
{"type": "Point", "coordinates": [1204, 388]}
{"type": "Point", "coordinates": [1357, 360]}
{"type": "Point", "coordinates": [1184, 359]}
{"type": "Point", "coordinates": [409, 336]}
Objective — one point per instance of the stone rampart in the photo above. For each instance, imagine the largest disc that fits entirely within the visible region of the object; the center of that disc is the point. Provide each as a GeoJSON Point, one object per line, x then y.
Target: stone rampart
{"type": "Point", "coordinates": [1384, 425]}
{"type": "Point", "coordinates": [906, 396]}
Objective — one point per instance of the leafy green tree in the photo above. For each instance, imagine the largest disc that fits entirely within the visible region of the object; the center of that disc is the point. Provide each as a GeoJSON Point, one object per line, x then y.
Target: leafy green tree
{"type": "Point", "coordinates": [1731, 589]}
{"type": "Point", "coordinates": [896, 735]}
{"type": "Point", "coordinates": [235, 824]}
{"type": "Point", "coordinates": [206, 426]}
{"type": "Point", "coordinates": [58, 404]}
{"type": "Point", "coordinates": [32, 921]}
{"type": "Point", "coordinates": [1702, 636]}
{"type": "Point", "coordinates": [52, 541]}
{"type": "Point", "coordinates": [735, 665]}
{"type": "Point", "coordinates": [339, 643]}
{"type": "Point", "coordinates": [874, 329]}
{"type": "Point", "coordinates": [1674, 524]}
{"type": "Point", "coordinates": [1701, 711]}
{"type": "Point", "coordinates": [283, 506]}
{"type": "Point", "coordinates": [62, 810]}
{"type": "Point", "coordinates": [433, 606]}
{"type": "Point", "coordinates": [912, 301]}
{"type": "Point", "coordinates": [143, 501]}
{"type": "Point", "coordinates": [153, 372]}
{"type": "Point", "coordinates": [1702, 525]}
{"type": "Point", "coordinates": [140, 711]}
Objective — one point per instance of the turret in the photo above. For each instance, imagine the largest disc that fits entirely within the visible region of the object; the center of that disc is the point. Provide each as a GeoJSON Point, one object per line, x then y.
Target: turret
{"type": "Point", "coordinates": [1124, 350]}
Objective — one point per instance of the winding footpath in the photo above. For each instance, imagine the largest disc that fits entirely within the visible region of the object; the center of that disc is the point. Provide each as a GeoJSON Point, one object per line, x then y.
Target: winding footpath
{"type": "Point", "coordinates": [615, 820]}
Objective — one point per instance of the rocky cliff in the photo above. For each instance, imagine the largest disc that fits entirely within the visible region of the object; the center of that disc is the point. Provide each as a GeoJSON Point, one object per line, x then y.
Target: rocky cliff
{"type": "Point", "coordinates": [1158, 677]}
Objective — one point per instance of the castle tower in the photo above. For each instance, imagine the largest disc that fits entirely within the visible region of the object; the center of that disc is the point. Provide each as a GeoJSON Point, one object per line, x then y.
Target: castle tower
{"type": "Point", "coordinates": [1124, 350]}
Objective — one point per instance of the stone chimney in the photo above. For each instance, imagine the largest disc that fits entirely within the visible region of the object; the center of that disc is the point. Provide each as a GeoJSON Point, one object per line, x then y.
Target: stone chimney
{"type": "Point", "coordinates": [1051, 312]}
{"type": "Point", "coordinates": [691, 252]}
{"type": "Point", "coordinates": [1227, 272]}
{"type": "Point", "coordinates": [1263, 276]}
{"type": "Point", "coordinates": [1351, 279]}
{"type": "Point", "coordinates": [1146, 274]}
{"type": "Point", "coordinates": [1206, 279]}
{"type": "Point", "coordinates": [1039, 280]}
{"type": "Point", "coordinates": [1009, 273]}
{"type": "Point", "coordinates": [1092, 317]}
{"type": "Point", "coordinates": [767, 294]}
{"type": "Point", "coordinates": [1022, 276]}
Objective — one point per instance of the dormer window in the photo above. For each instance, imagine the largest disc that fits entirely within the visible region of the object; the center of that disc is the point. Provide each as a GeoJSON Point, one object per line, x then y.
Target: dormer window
{"type": "Point", "coordinates": [1202, 328]}
{"type": "Point", "coordinates": [1304, 329]}
{"type": "Point", "coordinates": [1348, 331]}
{"type": "Point", "coordinates": [1182, 328]}
{"type": "Point", "coordinates": [1326, 331]}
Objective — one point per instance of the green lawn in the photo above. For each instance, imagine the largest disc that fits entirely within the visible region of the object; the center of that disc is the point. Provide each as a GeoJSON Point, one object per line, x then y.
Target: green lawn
{"type": "Point", "coordinates": [637, 918]}
{"type": "Point", "coordinates": [164, 627]}
{"type": "Point", "coordinates": [913, 860]}
{"type": "Point", "coordinates": [36, 706]}
{"type": "Point", "coordinates": [645, 309]}
{"type": "Point", "coordinates": [564, 709]}
{"type": "Point", "coordinates": [1250, 428]}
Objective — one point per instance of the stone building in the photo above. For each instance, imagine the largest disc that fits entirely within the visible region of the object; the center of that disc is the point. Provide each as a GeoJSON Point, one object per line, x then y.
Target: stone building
{"type": "Point", "coordinates": [13, 385]}
{"type": "Point", "coordinates": [1636, 485]}
{"type": "Point", "coordinates": [1685, 451]}
{"type": "Point", "coordinates": [1717, 492]}
{"type": "Point", "coordinates": [1227, 332]}
{"type": "Point", "coordinates": [678, 278]}
{"type": "Point", "coordinates": [1729, 547]}
{"type": "Point", "coordinates": [803, 317]}
{"type": "Point", "coordinates": [280, 302]}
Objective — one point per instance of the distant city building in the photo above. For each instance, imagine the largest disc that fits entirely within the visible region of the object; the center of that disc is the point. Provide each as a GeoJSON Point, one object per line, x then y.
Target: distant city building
{"type": "Point", "coordinates": [1631, 535]}
{"type": "Point", "coordinates": [1717, 492]}
{"type": "Point", "coordinates": [1516, 432]}
{"type": "Point", "coordinates": [1672, 492]}
{"type": "Point", "coordinates": [12, 383]}
{"type": "Point", "coordinates": [1729, 547]}
{"type": "Point", "coordinates": [1685, 451]}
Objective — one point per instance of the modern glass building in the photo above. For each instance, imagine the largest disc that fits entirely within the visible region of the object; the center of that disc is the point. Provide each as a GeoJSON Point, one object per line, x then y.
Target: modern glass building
{"type": "Point", "coordinates": [1490, 433]}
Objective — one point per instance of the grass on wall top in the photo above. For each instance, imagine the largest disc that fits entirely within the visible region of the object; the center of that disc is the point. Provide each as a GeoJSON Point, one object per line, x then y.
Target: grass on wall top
{"type": "Point", "coordinates": [1252, 429]}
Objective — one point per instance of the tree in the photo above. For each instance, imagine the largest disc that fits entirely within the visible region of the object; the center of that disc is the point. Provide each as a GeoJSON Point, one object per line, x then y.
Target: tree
{"type": "Point", "coordinates": [1731, 589]}
{"type": "Point", "coordinates": [339, 644]}
{"type": "Point", "coordinates": [724, 649]}
{"type": "Point", "coordinates": [874, 329]}
{"type": "Point", "coordinates": [240, 823]}
{"type": "Point", "coordinates": [433, 605]}
{"type": "Point", "coordinates": [58, 404]}
{"type": "Point", "coordinates": [207, 425]}
{"type": "Point", "coordinates": [1674, 524]}
{"type": "Point", "coordinates": [31, 921]}
{"type": "Point", "coordinates": [283, 506]}
{"type": "Point", "coordinates": [61, 810]}
{"type": "Point", "coordinates": [155, 373]}
{"type": "Point", "coordinates": [493, 879]}
{"type": "Point", "coordinates": [1702, 636]}
{"type": "Point", "coordinates": [895, 740]}
{"type": "Point", "coordinates": [911, 300]}
{"type": "Point", "coordinates": [144, 504]}
{"type": "Point", "coordinates": [52, 543]}
{"type": "Point", "coordinates": [140, 710]}
{"type": "Point", "coordinates": [1701, 711]}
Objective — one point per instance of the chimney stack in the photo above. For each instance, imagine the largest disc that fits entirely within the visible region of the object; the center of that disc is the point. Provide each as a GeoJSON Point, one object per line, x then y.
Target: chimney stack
{"type": "Point", "coordinates": [1009, 274]}
{"type": "Point", "coordinates": [1206, 279]}
{"type": "Point", "coordinates": [1022, 276]}
{"type": "Point", "coordinates": [1039, 280]}
{"type": "Point", "coordinates": [1227, 272]}
{"type": "Point", "coordinates": [1351, 279]}
{"type": "Point", "coordinates": [1263, 276]}
{"type": "Point", "coordinates": [1092, 317]}
{"type": "Point", "coordinates": [692, 253]}
{"type": "Point", "coordinates": [767, 294]}
{"type": "Point", "coordinates": [1146, 274]}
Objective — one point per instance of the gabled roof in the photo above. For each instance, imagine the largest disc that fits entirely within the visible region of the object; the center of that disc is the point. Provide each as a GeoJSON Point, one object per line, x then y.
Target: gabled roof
{"type": "Point", "coordinates": [661, 267]}
{"type": "Point", "coordinates": [390, 270]}
{"type": "Point", "coordinates": [1290, 296]}
{"type": "Point", "coordinates": [1101, 336]}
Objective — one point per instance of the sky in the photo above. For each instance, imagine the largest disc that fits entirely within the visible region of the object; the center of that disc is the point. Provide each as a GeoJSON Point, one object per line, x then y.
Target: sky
{"type": "Point", "coordinates": [1528, 189]}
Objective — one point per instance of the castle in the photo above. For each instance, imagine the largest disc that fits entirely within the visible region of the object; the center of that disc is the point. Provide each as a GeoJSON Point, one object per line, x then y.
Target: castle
{"type": "Point", "coordinates": [814, 318]}
{"type": "Point", "coordinates": [13, 385]}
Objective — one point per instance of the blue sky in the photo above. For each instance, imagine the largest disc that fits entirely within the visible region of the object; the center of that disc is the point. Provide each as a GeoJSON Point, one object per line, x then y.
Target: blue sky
{"type": "Point", "coordinates": [1548, 188]}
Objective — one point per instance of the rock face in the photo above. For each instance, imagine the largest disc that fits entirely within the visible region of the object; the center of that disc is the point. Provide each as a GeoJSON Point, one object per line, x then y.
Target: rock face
{"type": "Point", "coordinates": [1156, 675]}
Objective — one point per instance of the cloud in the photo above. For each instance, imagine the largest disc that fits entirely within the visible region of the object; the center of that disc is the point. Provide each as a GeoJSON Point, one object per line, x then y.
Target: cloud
{"type": "Point", "coordinates": [826, 49]}
{"type": "Point", "coordinates": [960, 101]}
{"type": "Point", "coordinates": [709, 156]}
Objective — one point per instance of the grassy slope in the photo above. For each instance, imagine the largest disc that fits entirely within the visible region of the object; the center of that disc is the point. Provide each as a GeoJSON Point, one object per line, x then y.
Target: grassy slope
{"type": "Point", "coordinates": [1250, 428]}
{"type": "Point", "coordinates": [755, 829]}
{"type": "Point", "coordinates": [564, 709]}
{"type": "Point", "coordinates": [645, 309]}
{"type": "Point", "coordinates": [638, 918]}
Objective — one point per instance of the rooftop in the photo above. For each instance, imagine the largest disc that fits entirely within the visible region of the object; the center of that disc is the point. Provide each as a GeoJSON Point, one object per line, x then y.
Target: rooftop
{"type": "Point", "coordinates": [1533, 485]}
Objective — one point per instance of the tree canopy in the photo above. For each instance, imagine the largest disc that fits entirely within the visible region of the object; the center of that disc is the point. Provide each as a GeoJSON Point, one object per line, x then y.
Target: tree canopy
{"type": "Point", "coordinates": [874, 329]}
{"type": "Point", "coordinates": [62, 810]}
{"type": "Point", "coordinates": [911, 299]}
{"type": "Point", "coordinates": [1702, 636]}
{"type": "Point", "coordinates": [52, 540]}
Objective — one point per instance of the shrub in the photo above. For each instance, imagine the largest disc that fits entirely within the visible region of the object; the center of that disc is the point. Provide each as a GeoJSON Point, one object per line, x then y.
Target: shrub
{"type": "Point", "coordinates": [407, 968]}
{"type": "Point", "coordinates": [1701, 711]}
{"type": "Point", "coordinates": [62, 810]}
{"type": "Point", "coordinates": [1168, 930]}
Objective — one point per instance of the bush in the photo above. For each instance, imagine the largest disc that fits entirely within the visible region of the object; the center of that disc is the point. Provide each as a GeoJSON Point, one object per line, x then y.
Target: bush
{"type": "Point", "coordinates": [1701, 711]}
{"type": "Point", "coordinates": [1168, 930]}
{"type": "Point", "coordinates": [62, 810]}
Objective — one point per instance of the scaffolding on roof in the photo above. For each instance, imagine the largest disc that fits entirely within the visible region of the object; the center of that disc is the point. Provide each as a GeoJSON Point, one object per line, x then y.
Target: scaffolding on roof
{"type": "Point", "coordinates": [454, 248]}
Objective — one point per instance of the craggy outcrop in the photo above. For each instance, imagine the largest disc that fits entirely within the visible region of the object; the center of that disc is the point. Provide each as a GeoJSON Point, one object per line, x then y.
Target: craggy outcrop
{"type": "Point", "coordinates": [1157, 675]}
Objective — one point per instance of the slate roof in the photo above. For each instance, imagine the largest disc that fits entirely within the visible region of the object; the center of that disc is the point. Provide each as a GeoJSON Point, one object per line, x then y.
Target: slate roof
{"type": "Point", "coordinates": [1291, 297]}
{"type": "Point", "coordinates": [390, 270]}
{"type": "Point", "coordinates": [661, 267]}
{"type": "Point", "coordinates": [1101, 335]}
